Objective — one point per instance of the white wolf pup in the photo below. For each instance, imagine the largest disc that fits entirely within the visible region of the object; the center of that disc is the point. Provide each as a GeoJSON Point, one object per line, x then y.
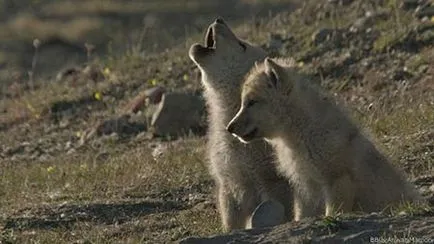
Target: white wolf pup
{"type": "Point", "coordinates": [245, 175]}
{"type": "Point", "coordinates": [319, 148]}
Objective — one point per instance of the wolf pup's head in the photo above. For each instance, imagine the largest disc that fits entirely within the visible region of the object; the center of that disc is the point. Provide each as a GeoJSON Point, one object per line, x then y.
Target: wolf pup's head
{"type": "Point", "coordinates": [263, 91]}
{"type": "Point", "coordinates": [224, 59]}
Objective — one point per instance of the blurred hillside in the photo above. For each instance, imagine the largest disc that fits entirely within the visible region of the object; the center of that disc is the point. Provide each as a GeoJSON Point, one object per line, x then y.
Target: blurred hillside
{"type": "Point", "coordinates": [112, 27]}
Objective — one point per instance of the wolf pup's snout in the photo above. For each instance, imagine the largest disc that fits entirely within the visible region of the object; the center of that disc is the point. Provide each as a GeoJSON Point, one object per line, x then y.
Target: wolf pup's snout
{"type": "Point", "coordinates": [231, 127]}
{"type": "Point", "coordinates": [219, 20]}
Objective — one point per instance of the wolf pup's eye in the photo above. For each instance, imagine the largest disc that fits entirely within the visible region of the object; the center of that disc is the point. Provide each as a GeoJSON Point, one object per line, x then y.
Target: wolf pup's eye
{"type": "Point", "coordinates": [243, 46]}
{"type": "Point", "coordinates": [251, 103]}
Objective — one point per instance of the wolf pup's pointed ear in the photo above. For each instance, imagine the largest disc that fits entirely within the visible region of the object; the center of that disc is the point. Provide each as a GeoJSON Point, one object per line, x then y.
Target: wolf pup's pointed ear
{"type": "Point", "coordinates": [272, 70]}
{"type": "Point", "coordinates": [256, 64]}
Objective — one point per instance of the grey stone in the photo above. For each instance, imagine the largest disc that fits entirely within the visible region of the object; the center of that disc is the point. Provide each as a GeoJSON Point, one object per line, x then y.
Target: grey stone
{"type": "Point", "coordinates": [268, 213]}
{"type": "Point", "coordinates": [178, 114]}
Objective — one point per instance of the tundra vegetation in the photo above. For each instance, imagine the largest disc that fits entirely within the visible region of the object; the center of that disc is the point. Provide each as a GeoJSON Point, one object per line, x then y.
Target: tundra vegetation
{"type": "Point", "coordinates": [64, 67]}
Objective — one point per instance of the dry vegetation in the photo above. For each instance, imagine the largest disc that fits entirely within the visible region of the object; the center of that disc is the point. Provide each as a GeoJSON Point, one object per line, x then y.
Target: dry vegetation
{"type": "Point", "coordinates": [136, 190]}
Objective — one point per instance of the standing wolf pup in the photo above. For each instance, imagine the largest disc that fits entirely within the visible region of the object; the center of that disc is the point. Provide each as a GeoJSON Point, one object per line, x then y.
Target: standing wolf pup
{"type": "Point", "coordinates": [245, 175]}
{"type": "Point", "coordinates": [323, 153]}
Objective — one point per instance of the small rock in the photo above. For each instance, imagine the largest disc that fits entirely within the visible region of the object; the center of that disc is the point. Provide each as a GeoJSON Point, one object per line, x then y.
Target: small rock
{"type": "Point", "coordinates": [365, 22]}
{"type": "Point", "coordinates": [113, 137]}
{"type": "Point", "coordinates": [141, 135]}
{"type": "Point", "coordinates": [68, 145]}
{"type": "Point", "coordinates": [178, 114]}
{"type": "Point", "coordinates": [25, 144]}
{"type": "Point", "coordinates": [422, 69]}
{"type": "Point", "coordinates": [361, 24]}
{"type": "Point", "coordinates": [35, 155]}
{"type": "Point", "coordinates": [64, 124]}
{"type": "Point", "coordinates": [57, 147]}
{"type": "Point", "coordinates": [373, 214]}
{"type": "Point", "coordinates": [69, 74]}
{"type": "Point", "coordinates": [431, 188]}
{"type": "Point", "coordinates": [94, 73]}
{"type": "Point", "coordinates": [425, 19]}
{"type": "Point", "coordinates": [70, 151]}
{"type": "Point", "coordinates": [44, 157]}
{"type": "Point", "coordinates": [268, 213]}
{"type": "Point", "coordinates": [158, 151]}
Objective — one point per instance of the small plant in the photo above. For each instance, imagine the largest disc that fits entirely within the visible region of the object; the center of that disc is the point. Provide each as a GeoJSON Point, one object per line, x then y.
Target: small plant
{"type": "Point", "coordinates": [332, 223]}
{"type": "Point", "coordinates": [106, 71]}
{"type": "Point", "coordinates": [36, 45]}
{"type": "Point", "coordinates": [393, 31]}
{"type": "Point", "coordinates": [8, 236]}
{"type": "Point", "coordinates": [84, 167]}
{"type": "Point", "coordinates": [51, 169]}
{"type": "Point", "coordinates": [35, 113]}
{"type": "Point", "coordinates": [97, 96]}
{"type": "Point", "coordinates": [89, 50]}
{"type": "Point", "coordinates": [416, 61]}
{"type": "Point", "coordinates": [387, 40]}
{"type": "Point", "coordinates": [412, 209]}
{"type": "Point", "coordinates": [153, 82]}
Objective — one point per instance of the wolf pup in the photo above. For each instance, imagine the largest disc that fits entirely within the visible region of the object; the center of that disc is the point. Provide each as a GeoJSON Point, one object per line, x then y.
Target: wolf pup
{"type": "Point", "coordinates": [319, 148]}
{"type": "Point", "coordinates": [245, 175]}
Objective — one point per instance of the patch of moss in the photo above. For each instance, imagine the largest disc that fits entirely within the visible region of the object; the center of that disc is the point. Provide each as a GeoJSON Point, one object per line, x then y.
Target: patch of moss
{"type": "Point", "coordinates": [393, 30]}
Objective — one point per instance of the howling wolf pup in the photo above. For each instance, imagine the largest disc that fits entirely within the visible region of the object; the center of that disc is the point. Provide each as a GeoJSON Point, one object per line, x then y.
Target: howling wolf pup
{"type": "Point", "coordinates": [246, 175]}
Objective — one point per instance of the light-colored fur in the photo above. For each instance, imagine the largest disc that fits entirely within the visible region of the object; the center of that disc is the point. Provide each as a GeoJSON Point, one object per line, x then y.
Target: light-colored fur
{"type": "Point", "coordinates": [319, 148]}
{"type": "Point", "coordinates": [245, 175]}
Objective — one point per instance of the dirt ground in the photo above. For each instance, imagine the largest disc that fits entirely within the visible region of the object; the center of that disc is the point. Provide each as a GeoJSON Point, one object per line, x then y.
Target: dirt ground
{"type": "Point", "coordinates": [91, 59]}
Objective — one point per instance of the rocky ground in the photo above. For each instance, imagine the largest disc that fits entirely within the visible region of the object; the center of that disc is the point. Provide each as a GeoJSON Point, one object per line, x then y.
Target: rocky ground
{"type": "Point", "coordinates": [89, 152]}
{"type": "Point", "coordinates": [372, 228]}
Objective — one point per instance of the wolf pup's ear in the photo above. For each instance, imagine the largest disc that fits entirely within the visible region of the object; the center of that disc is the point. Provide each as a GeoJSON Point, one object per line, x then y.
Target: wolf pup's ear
{"type": "Point", "coordinates": [273, 71]}
{"type": "Point", "coordinates": [257, 64]}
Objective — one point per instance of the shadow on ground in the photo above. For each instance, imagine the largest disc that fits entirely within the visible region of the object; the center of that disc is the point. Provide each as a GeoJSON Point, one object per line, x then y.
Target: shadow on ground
{"type": "Point", "coordinates": [100, 213]}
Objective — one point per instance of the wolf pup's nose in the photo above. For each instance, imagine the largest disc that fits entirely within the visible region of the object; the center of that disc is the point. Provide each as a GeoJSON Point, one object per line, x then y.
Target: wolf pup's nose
{"type": "Point", "coordinates": [230, 128]}
{"type": "Point", "coordinates": [219, 20]}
